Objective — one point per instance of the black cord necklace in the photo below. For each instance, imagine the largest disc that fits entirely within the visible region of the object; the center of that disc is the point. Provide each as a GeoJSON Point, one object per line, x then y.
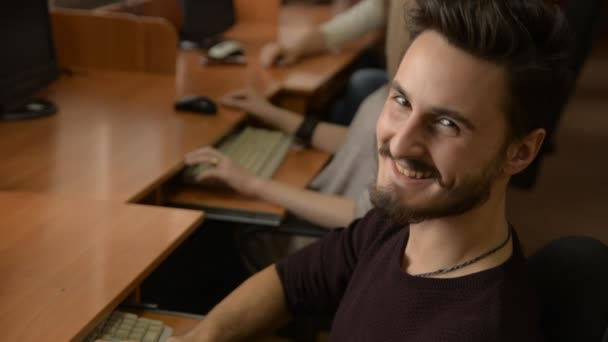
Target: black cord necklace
{"type": "Point", "coordinates": [468, 262]}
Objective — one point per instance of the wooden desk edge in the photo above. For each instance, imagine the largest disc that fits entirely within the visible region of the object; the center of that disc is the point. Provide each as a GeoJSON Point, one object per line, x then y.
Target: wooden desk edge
{"type": "Point", "coordinates": [113, 304]}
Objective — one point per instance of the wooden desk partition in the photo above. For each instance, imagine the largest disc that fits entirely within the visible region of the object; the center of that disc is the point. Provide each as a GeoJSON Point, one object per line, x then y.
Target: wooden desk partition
{"type": "Point", "coordinates": [251, 11]}
{"type": "Point", "coordinates": [114, 41]}
{"type": "Point", "coordinates": [66, 261]}
{"type": "Point", "coordinates": [258, 11]}
{"type": "Point", "coordinates": [168, 9]}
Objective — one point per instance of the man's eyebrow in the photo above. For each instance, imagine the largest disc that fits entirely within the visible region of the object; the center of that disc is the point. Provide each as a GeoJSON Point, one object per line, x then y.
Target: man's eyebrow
{"type": "Point", "coordinates": [398, 88]}
{"type": "Point", "coordinates": [439, 111]}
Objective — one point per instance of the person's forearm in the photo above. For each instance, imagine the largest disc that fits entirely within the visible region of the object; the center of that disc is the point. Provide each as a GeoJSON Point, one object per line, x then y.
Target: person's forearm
{"type": "Point", "coordinates": [282, 119]}
{"type": "Point", "coordinates": [364, 17]}
{"type": "Point", "coordinates": [326, 137]}
{"type": "Point", "coordinates": [311, 43]}
{"type": "Point", "coordinates": [255, 308]}
{"type": "Point", "coordinates": [329, 137]}
{"type": "Point", "coordinates": [326, 210]}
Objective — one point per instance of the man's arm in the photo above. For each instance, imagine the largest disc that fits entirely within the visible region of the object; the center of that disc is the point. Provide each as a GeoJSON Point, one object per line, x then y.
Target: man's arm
{"type": "Point", "coordinates": [325, 210]}
{"type": "Point", "coordinates": [308, 43]}
{"type": "Point", "coordinates": [255, 308]}
{"type": "Point", "coordinates": [327, 137]}
{"type": "Point", "coordinates": [329, 211]}
{"type": "Point", "coordinates": [360, 19]}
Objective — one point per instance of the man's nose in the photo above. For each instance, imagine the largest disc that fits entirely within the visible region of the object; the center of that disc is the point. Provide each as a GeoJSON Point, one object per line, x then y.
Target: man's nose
{"type": "Point", "coordinates": [409, 139]}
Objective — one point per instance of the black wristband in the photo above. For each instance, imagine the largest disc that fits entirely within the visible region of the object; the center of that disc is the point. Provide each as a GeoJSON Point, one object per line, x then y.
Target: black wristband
{"type": "Point", "coordinates": [306, 129]}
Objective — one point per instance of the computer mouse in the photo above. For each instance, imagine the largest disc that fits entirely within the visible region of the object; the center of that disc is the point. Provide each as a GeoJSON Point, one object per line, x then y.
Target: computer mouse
{"type": "Point", "coordinates": [225, 49]}
{"type": "Point", "coordinates": [197, 104]}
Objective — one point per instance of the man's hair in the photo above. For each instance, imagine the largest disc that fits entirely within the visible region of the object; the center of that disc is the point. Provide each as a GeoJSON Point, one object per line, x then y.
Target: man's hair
{"type": "Point", "coordinates": [530, 38]}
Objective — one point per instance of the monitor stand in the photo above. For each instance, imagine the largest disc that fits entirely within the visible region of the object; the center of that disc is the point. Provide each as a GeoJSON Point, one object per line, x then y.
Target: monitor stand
{"type": "Point", "coordinates": [31, 109]}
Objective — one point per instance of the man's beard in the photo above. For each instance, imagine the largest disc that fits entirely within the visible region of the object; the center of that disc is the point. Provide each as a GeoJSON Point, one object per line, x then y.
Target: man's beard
{"type": "Point", "coordinates": [452, 201]}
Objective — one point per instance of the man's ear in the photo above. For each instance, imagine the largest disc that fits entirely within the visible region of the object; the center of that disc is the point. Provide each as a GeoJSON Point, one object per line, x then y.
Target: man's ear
{"type": "Point", "coordinates": [522, 152]}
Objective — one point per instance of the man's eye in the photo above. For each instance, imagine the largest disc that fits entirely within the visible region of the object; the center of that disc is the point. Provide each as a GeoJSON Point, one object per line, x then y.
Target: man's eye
{"type": "Point", "coordinates": [402, 101]}
{"type": "Point", "coordinates": [447, 123]}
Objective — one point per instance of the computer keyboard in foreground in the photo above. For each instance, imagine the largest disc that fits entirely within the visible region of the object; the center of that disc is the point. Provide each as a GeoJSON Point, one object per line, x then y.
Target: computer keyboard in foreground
{"type": "Point", "coordinates": [120, 326]}
{"type": "Point", "coordinates": [258, 150]}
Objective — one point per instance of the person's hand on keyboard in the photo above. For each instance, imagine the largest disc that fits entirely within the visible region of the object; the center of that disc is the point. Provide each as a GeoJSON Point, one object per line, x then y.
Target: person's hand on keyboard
{"type": "Point", "coordinates": [249, 100]}
{"type": "Point", "coordinates": [301, 44]}
{"type": "Point", "coordinates": [222, 168]}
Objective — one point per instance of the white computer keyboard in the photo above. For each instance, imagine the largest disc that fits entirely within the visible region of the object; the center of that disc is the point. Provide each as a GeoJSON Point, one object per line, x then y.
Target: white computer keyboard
{"type": "Point", "coordinates": [258, 150]}
{"type": "Point", "coordinates": [120, 326]}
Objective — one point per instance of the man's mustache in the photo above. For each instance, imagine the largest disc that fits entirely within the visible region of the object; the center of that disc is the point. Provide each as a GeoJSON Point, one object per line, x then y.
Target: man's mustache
{"type": "Point", "coordinates": [413, 164]}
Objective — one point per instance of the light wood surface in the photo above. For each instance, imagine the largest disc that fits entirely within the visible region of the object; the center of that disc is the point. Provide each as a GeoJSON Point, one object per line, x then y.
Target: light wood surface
{"type": "Point", "coordinates": [65, 261]}
{"type": "Point", "coordinates": [114, 41]}
{"type": "Point", "coordinates": [116, 136]}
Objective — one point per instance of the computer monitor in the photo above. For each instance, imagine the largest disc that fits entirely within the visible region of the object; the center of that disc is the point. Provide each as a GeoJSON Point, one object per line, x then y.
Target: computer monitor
{"type": "Point", "coordinates": [27, 60]}
{"type": "Point", "coordinates": [205, 20]}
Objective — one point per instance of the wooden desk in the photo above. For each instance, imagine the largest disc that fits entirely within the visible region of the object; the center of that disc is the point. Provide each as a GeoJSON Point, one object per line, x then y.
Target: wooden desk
{"type": "Point", "coordinates": [66, 261]}
{"type": "Point", "coordinates": [116, 136]}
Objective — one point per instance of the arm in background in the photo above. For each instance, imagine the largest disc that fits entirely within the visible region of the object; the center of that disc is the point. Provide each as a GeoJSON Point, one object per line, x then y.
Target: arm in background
{"type": "Point", "coordinates": [253, 309]}
{"type": "Point", "coordinates": [327, 137]}
{"type": "Point", "coordinates": [326, 210]}
{"type": "Point", "coordinates": [364, 17]}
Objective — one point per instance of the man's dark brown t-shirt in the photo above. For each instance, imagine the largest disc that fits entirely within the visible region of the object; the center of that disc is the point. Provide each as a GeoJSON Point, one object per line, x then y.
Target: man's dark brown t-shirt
{"type": "Point", "coordinates": [357, 271]}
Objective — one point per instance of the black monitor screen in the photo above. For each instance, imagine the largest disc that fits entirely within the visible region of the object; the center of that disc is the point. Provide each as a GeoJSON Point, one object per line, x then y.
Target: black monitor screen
{"type": "Point", "coordinates": [206, 18]}
{"type": "Point", "coordinates": [27, 61]}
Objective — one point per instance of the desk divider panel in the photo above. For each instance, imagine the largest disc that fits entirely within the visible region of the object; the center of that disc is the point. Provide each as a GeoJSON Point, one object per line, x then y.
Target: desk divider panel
{"type": "Point", "coordinates": [113, 41]}
{"type": "Point", "coordinates": [258, 11]}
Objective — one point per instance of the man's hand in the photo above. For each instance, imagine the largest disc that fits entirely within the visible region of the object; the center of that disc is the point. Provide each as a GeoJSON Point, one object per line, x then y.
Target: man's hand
{"type": "Point", "coordinates": [223, 169]}
{"type": "Point", "coordinates": [307, 42]}
{"type": "Point", "coordinates": [248, 100]}
{"type": "Point", "coordinates": [279, 55]}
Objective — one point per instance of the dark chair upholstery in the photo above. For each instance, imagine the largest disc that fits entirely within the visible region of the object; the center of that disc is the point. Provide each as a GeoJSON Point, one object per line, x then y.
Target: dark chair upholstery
{"type": "Point", "coordinates": [571, 277]}
{"type": "Point", "coordinates": [291, 226]}
{"type": "Point", "coordinates": [301, 328]}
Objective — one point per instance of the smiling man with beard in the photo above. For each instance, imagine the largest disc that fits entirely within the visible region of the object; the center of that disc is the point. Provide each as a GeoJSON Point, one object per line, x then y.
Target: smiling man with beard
{"type": "Point", "coordinates": [436, 260]}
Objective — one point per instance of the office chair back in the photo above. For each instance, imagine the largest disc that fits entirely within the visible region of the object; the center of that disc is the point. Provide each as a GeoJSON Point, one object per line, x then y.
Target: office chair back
{"type": "Point", "coordinates": [571, 277]}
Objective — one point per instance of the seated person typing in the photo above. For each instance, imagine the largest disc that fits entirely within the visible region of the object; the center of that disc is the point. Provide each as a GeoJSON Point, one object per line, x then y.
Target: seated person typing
{"type": "Point", "coordinates": [339, 194]}
{"type": "Point", "coordinates": [436, 260]}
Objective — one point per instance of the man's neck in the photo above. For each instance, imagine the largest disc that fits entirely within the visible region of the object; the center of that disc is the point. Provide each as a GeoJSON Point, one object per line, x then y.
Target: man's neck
{"type": "Point", "coordinates": [445, 242]}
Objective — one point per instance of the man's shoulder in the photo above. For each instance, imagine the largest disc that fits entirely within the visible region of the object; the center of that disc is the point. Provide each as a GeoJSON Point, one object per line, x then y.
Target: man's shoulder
{"type": "Point", "coordinates": [374, 218]}
{"type": "Point", "coordinates": [374, 227]}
